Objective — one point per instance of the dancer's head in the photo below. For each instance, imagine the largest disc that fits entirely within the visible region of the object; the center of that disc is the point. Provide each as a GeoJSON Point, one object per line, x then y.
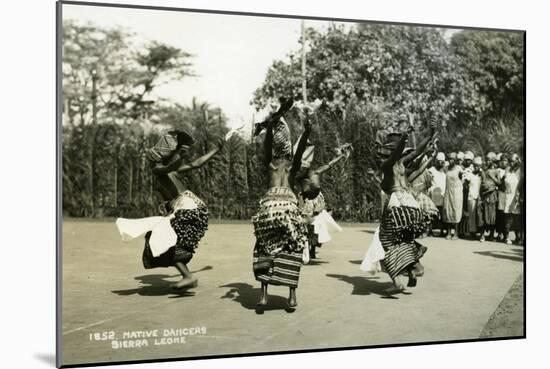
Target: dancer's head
{"type": "Point", "coordinates": [311, 185]}
{"type": "Point", "coordinates": [185, 140]}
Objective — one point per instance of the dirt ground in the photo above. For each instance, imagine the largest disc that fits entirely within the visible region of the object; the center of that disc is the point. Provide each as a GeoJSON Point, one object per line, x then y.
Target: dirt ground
{"type": "Point", "coordinates": [469, 290]}
{"type": "Point", "coordinates": [507, 320]}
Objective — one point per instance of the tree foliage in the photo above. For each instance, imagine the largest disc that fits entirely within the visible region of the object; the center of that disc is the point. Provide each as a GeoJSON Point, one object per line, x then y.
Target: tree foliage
{"type": "Point", "coordinates": [404, 69]}
{"type": "Point", "coordinates": [367, 75]}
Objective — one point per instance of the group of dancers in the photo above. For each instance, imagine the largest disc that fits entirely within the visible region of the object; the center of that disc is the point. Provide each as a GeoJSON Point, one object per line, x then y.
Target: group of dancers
{"type": "Point", "coordinates": [291, 221]}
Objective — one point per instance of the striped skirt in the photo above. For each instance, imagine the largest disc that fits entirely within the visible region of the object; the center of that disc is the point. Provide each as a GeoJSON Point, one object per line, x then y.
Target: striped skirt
{"type": "Point", "coordinates": [285, 269]}
{"type": "Point", "coordinates": [398, 230]}
{"type": "Point", "coordinates": [399, 257]}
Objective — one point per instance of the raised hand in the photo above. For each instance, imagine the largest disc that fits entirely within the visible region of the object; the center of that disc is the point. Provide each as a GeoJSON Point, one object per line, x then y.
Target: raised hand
{"type": "Point", "coordinates": [433, 124]}
{"type": "Point", "coordinates": [307, 124]}
{"type": "Point", "coordinates": [220, 143]}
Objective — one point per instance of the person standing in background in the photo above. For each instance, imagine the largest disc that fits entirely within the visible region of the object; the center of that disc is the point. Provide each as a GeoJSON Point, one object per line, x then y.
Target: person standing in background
{"type": "Point", "coordinates": [489, 197]}
{"type": "Point", "coordinates": [511, 204]}
{"type": "Point", "coordinates": [520, 240]}
{"type": "Point", "coordinates": [460, 159]}
{"type": "Point", "coordinates": [437, 190]}
{"type": "Point", "coordinates": [474, 185]}
{"type": "Point", "coordinates": [502, 161]}
{"type": "Point", "coordinates": [463, 228]}
{"type": "Point", "coordinates": [468, 161]}
{"type": "Point", "coordinates": [452, 201]}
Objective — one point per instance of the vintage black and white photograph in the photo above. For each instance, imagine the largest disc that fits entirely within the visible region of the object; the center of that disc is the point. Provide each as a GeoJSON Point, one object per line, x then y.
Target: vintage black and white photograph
{"type": "Point", "coordinates": [242, 184]}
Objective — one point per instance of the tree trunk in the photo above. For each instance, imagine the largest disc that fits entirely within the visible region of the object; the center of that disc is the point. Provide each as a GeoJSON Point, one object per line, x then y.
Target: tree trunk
{"type": "Point", "coordinates": [91, 182]}
{"type": "Point", "coordinates": [115, 197]}
{"type": "Point", "coordinates": [131, 182]}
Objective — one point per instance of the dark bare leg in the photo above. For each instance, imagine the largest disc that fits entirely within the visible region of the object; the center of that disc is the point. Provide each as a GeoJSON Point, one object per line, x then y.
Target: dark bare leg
{"type": "Point", "coordinates": [263, 298]}
{"type": "Point", "coordinates": [176, 183]}
{"type": "Point", "coordinates": [167, 187]}
{"type": "Point", "coordinates": [292, 298]}
{"type": "Point", "coordinates": [187, 277]}
{"type": "Point", "coordinates": [419, 269]}
{"type": "Point", "coordinates": [412, 276]}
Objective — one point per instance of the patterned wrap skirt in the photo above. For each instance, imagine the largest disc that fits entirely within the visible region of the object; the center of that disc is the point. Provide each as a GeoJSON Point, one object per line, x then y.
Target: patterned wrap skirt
{"type": "Point", "coordinates": [399, 227]}
{"type": "Point", "coordinates": [470, 222]}
{"type": "Point", "coordinates": [426, 204]}
{"type": "Point", "coordinates": [487, 209]}
{"type": "Point", "coordinates": [282, 145]}
{"type": "Point", "coordinates": [281, 235]}
{"type": "Point", "coordinates": [190, 226]}
{"type": "Point", "coordinates": [284, 270]}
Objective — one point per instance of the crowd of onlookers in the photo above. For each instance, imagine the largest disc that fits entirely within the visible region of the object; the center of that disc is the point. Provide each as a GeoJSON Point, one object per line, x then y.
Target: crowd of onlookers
{"type": "Point", "coordinates": [477, 198]}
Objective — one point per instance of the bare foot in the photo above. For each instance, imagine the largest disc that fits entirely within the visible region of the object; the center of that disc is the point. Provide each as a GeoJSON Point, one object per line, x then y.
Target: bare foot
{"type": "Point", "coordinates": [398, 285]}
{"type": "Point", "coordinates": [292, 302]}
{"type": "Point", "coordinates": [186, 283]}
{"type": "Point", "coordinates": [292, 299]}
{"type": "Point", "coordinates": [263, 301]}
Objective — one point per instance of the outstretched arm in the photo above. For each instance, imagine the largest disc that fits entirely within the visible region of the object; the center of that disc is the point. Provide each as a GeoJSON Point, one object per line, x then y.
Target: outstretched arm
{"type": "Point", "coordinates": [415, 164]}
{"type": "Point", "coordinates": [199, 162]}
{"type": "Point", "coordinates": [396, 154]}
{"type": "Point", "coordinates": [268, 144]}
{"type": "Point", "coordinates": [171, 166]}
{"type": "Point", "coordinates": [330, 164]}
{"type": "Point", "coordinates": [297, 161]}
{"type": "Point", "coordinates": [420, 149]}
{"type": "Point", "coordinates": [414, 175]}
{"type": "Point", "coordinates": [428, 134]}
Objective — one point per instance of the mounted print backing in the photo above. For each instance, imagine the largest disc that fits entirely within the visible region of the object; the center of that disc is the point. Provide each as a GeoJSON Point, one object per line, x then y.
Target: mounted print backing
{"type": "Point", "coordinates": [240, 184]}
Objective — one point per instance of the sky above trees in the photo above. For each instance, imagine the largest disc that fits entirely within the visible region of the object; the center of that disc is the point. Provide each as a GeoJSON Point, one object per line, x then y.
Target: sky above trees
{"type": "Point", "coordinates": [231, 54]}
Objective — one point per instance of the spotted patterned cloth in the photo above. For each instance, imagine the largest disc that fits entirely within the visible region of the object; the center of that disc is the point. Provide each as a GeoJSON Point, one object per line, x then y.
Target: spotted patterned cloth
{"type": "Point", "coordinates": [190, 226]}
{"type": "Point", "coordinates": [279, 224]}
{"type": "Point", "coordinates": [312, 207]}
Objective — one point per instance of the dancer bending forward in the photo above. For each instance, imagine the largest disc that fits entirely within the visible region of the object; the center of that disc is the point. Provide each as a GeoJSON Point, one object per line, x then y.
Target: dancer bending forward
{"type": "Point", "coordinates": [281, 233]}
{"type": "Point", "coordinates": [402, 219]}
{"type": "Point", "coordinates": [171, 239]}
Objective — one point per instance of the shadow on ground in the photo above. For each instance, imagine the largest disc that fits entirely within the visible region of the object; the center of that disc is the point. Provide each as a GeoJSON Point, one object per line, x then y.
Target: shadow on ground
{"type": "Point", "coordinates": [248, 295]}
{"type": "Point", "coordinates": [368, 286]}
{"type": "Point", "coordinates": [512, 254]}
{"type": "Point", "coordinates": [158, 285]}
